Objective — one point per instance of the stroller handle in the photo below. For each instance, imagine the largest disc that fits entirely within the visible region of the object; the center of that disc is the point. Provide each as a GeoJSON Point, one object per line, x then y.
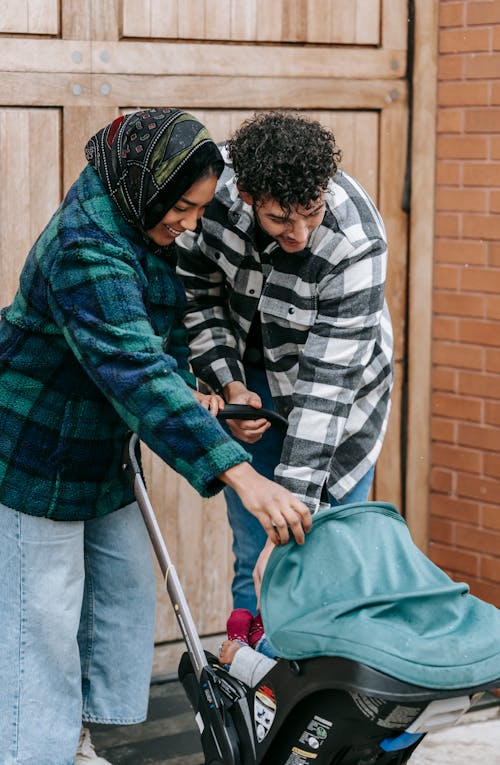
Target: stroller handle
{"type": "Point", "coordinates": [132, 468]}
{"type": "Point", "coordinates": [245, 412]}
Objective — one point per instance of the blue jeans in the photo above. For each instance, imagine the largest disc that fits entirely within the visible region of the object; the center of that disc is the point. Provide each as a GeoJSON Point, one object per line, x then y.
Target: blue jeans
{"type": "Point", "coordinates": [248, 535]}
{"type": "Point", "coordinates": [77, 603]}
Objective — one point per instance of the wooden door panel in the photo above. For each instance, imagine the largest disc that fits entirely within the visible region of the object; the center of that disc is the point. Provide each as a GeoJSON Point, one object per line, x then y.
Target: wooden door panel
{"type": "Point", "coordinates": [36, 17]}
{"type": "Point", "coordinates": [349, 22]}
{"type": "Point", "coordinates": [30, 188]}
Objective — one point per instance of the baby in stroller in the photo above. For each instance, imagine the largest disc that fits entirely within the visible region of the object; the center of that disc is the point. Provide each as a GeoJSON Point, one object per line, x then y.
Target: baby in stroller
{"type": "Point", "coordinates": [246, 653]}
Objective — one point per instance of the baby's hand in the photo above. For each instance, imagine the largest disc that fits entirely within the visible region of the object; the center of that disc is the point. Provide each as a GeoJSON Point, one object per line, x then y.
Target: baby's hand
{"type": "Point", "coordinates": [228, 650]}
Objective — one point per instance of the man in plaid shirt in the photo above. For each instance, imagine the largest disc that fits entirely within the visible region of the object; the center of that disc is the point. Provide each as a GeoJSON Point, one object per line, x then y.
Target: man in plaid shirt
{"type": "Point", "coordinates": [286, 309]}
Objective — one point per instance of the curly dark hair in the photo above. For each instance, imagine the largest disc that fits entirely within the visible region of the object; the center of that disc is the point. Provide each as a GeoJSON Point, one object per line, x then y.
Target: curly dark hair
{"type": "Point", "coordinates": [284, 156]}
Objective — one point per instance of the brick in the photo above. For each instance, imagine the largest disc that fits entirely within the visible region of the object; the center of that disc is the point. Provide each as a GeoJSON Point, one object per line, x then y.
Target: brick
{"type": "Point", "coordinates": [448, 174]}
{"type": "Point", "coordinates": [442, 480]}
{"type": "Point", "coordinates": [446, 277]}
{"type": "Point", "coordinates": [452, 14]}
{"type": "Point", "coordinates": [493, 307]}
{"type": "Point", "coordinates": [495, 202]}
{"type": "Point", "coordinates": [485, 541]}
{"type": "Point", "coordinates": [458, 304]}
{"type": "Point", "coordinates": [496, 38]}
{"type": "Point", "coordinates": [450, 67]}
{"type": "Point", "coordinates": [464, 40]}
{"type": "Point", "coordinates": [486, 12]}
{"type": "Point", "coordinates": [461, 200]}
{"type": "Point", "coordinates": [455, 508]}
{"type": "Point", "coordinates": [482, 66]}
{"type": "Point", "coordinates": [457, 407]}
{"type": "Point", "coordinates": [479, 384]}
{"type": "Point", "coordinates": [450, 121]}
{"type": "Point", "coordinates": [480, 279]}
{"type": "Point", "coordinates": [480, 227]}
{"type": "Point", "coordinates": [478, 332]}
{"type": "Point", "coordinates": [463, 94]}
{"type": "Point", "coordinates": [459, 356]}
{"type": "Point", "coordinates": [481, 489]}
{"type": "Point", "coordinates": [492, 360]}
{"type": "Point", "coordinates": [444, 328]}
{"type": "Point", "coordinates": [491, 464]}
{"type": "Point", "coordinates": [492, 413]}
{"type": "Point", "coordinates": [443, 430]}
{"type": "Point", "coordinates": [454, 560]}
{"type": "Point", "coordinates": [460, 251]}
{"type": "Point", "coordinates": [456, 458]}
{"type": "Point", "coordinates": [494, 206]}
{"type": "Point", "coordinates": [461, 147]}
{"type": "Point", "coordinates": [490, 569]}
{"type": "Point", "coordinates": [481, 174]}
{"type": "Point", "coordinates": [444, 379]}
{"type": "Point", "coordinates": [479, 436]}
{"type": "Point", "coordinates": [483, 120]}
{"type": "Point", "coordinates": [446, 225]}
{"type": "Point", "coordinates": [486, 591]}
{"type": "Point", "coordinates": [495, 147]}
{"type": "Point", "coordinates": [495, 96]}
{"type": "Point", "coordinates": [490, 517]}
{"type": "Point", "coordinates": [493, 256]}
{"type": "Point", "coordinates": [441, 531]}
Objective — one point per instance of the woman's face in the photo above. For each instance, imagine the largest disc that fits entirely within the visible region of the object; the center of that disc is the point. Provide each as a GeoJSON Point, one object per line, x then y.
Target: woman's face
{"type": "Point", "coordinates": [185, 214]}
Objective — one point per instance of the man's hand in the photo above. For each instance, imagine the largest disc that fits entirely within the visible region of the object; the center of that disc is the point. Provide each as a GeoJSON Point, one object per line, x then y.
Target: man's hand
{"type": "Point", "coordinates": [248, 431]}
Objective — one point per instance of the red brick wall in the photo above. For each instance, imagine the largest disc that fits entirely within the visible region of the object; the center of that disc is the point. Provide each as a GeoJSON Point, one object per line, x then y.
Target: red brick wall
{"type": "Point", "coordinates": [465, 480]}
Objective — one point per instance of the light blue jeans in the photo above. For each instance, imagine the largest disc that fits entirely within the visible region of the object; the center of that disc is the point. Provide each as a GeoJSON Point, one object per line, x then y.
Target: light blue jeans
{"type": "Point", "coordinates": [248, 535]}
{"type": "Point", "coordinates": [77, 603]}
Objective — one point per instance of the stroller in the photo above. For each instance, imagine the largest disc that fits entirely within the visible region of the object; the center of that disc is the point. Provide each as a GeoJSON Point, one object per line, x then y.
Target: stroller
{"type": "Point", "coordinates": [326, 710]}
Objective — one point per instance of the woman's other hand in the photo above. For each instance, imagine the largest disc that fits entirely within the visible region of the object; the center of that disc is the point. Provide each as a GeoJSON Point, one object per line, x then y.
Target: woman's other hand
{"type": "Point", "coordinates": [277, 509]}
{"type": "Point", "coordinates": [210, 401]}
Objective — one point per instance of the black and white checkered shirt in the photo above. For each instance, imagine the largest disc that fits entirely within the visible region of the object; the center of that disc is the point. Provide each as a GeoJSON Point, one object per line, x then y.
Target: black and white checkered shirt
{"type": "Point", "coordinates": [325, 326]}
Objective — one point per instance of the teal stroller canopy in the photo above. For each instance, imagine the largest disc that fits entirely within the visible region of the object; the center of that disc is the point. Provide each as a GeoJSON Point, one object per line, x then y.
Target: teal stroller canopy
{"type": "Point", "coordinates": [360, 588]}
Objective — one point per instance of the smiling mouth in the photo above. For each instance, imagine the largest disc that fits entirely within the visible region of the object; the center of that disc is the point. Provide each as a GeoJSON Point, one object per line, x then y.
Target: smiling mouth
{"type": "Point", "coordinates": [173, 231]}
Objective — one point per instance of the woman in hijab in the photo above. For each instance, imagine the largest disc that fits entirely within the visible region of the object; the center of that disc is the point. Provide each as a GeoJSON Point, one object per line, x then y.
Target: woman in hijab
{"type": "Point", "coordinates": [92, 346]}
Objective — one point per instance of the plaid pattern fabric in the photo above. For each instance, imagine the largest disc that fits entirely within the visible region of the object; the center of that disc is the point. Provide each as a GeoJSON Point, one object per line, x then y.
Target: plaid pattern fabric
{"type": "Point", "coordinates": [325, 326]}
{"type": "Point", "coordinates": [93, 345]}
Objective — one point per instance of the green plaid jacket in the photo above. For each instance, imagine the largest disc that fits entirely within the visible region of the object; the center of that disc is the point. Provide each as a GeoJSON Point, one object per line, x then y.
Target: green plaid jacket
{"type": "Point", "coordinates": [91, 347]}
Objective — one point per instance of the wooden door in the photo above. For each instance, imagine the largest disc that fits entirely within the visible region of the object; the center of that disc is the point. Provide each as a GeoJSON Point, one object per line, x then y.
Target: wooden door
{"type": "Point", "coordinates": [67, 67]}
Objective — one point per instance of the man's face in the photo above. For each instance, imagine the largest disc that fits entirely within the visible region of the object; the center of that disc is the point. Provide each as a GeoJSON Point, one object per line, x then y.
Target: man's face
{"type": "Point", "coordinates": [290, 229]}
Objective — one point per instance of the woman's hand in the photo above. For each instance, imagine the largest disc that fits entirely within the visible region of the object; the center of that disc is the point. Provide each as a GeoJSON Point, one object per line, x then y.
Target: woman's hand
{"type": "Point", "coordinates": [277, 509]}
{"type": "Point", "coordinates": [248, 431]}
{"type": "Point", "coordinates": [210, 401]}
{"type": "Point", "coordinates": [260, 567]}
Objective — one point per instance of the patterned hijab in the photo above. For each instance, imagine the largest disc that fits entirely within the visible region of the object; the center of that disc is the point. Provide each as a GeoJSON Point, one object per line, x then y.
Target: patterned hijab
{"type": "Point", "coordinates": [147, 160]}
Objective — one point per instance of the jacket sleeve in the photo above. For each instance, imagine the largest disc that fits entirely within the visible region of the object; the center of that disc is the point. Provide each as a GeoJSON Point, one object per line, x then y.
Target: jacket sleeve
{"type": "Point", "coordinates": [342, 344]}
{"type": "Point", "coordinates": [96, 296]}
{"type": "Point", "coordinates": [250, 666]}
{"type": "Point", "coordinates": [215, 357]}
